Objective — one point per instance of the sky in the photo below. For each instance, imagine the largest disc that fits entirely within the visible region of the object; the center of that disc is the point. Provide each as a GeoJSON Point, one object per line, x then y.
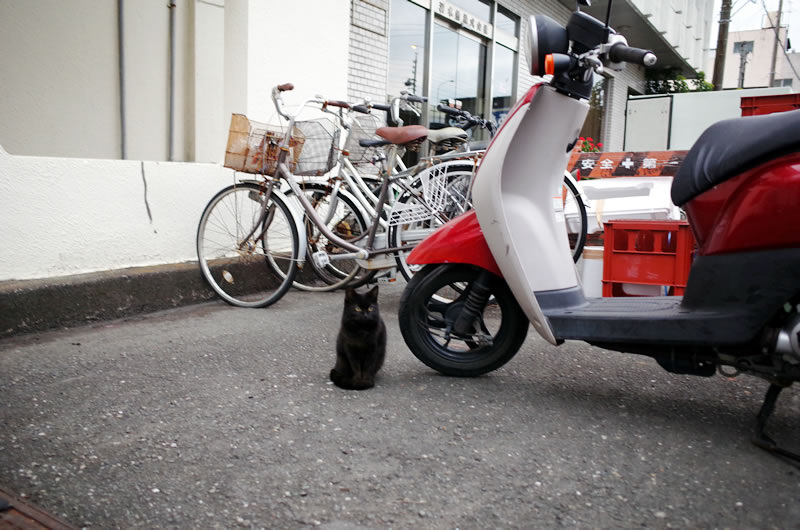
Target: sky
{"type": "Point", "coordinates": [748, 14]}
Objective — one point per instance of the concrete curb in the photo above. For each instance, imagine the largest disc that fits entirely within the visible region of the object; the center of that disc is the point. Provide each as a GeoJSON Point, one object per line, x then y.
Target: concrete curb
{"type": "Point", "coordinates": [32, 306]}
{"type": "Point", "coordinates": [52, 303]}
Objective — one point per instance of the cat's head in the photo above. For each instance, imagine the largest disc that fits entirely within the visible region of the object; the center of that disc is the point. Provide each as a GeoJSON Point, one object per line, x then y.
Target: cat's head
{"type": "Point", "coordinates": [361, 305]}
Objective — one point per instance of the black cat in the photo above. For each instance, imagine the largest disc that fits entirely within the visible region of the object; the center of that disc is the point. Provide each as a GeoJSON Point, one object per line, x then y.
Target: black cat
{"type": "Point", "coordinates": [361, 344]}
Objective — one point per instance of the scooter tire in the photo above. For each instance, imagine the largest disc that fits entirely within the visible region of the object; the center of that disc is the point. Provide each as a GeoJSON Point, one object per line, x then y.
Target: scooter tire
{"type": "Point", "coordinates": [424, 320]}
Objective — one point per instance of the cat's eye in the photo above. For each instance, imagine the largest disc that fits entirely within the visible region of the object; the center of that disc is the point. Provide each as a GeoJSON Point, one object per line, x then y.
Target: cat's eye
{"type": "Point", "coordinates": [358, 309]}
{"type": "Point", "coordinates": [370, 308]}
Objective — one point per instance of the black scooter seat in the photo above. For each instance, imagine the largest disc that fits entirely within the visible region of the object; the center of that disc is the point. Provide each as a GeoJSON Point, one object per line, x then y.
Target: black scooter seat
{"type": "Point", "coordinates": [652, 319]}
{"type": "Point", "coordinates": [730, 147]}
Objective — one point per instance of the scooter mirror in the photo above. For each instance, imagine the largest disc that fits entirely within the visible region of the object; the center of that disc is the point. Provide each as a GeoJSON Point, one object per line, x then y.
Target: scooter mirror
{"type": "Point", "coordinates": [587, 3]}
{"type": "Point", "coordinates": [545, 36]}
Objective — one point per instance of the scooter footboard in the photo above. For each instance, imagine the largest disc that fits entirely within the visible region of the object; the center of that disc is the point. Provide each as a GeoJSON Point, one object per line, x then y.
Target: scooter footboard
{"type": "Point", "coordinates": [729, 300]}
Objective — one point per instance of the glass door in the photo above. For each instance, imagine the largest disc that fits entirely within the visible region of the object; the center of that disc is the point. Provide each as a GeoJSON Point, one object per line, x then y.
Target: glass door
{"type": "Point", "coordinates": [458, 73]}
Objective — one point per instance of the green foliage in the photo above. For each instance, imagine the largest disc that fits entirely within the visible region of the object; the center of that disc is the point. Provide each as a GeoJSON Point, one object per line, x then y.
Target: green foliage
{"type": "Point", "coordinates": [669, 81]}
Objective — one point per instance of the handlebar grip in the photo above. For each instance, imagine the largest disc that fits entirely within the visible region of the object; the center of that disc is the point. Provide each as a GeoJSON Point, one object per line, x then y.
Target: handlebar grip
{"type": "Point", "coordinates": [448, 110]}
{"type": "Point", "coordinates": [382, 107]}
{"type": "Point", "coordinates": [416, 99]}
{"type": "Point", "coordinates": [620, 53]}
{"type": "Point", "coordinates": [334, 103]}
{"type": "Point", "coordinates": [285, 87]}
{"type": "Point", "coordinates": [363, 109]}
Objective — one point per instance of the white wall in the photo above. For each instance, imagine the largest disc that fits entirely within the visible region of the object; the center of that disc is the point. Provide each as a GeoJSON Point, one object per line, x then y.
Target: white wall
{"type": "Point", "coordinates": [210, 123]}
{"type": "Point", "coordinates": [685, 119]}
{"type": "Point", "coordinates": [685, 24]}
{"type": "Point", "coordinates": [64, 216]}
{"type": "Point", "coordinates": [59, 83]}
{"type": "Point", "coordinates": [287, 45]}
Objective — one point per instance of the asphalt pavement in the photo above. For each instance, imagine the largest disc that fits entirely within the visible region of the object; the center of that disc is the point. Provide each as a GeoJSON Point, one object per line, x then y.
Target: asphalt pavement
{"type": "Point", "coordinates": [212, 416]}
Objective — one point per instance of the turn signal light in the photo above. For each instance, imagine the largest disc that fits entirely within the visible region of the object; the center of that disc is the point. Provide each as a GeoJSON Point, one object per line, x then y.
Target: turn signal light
{"type": "Point", "coordinates": [549, 64]}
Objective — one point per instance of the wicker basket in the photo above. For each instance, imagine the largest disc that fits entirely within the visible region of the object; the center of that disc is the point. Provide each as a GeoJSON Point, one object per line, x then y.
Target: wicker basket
{"type": "Point", "coordinates": [253, 147]}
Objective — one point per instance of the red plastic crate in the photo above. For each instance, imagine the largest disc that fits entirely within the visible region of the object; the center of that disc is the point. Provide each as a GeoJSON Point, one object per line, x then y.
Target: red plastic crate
{"type": "Point", "coordinates": [646, 253]}
{"type": "Point", "coordinates": [757, 105]}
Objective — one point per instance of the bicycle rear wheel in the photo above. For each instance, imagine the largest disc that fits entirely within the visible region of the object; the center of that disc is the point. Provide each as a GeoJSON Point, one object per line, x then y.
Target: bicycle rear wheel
{"type": "Point", "coordinates": [242, 239]}
{"type": "Point", "coordinates": [342, 217]}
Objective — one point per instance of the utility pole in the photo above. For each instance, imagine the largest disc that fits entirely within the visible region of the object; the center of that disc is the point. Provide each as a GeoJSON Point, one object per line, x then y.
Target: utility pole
{"type": "Point", "coordinates": [778, 42]}
{"type": "Point", "coordinates": [722, 44]}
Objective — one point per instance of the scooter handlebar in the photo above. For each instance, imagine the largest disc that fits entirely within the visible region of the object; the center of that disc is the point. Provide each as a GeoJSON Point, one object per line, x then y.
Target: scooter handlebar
{"type": "Point", "coordinates": [620, 53]}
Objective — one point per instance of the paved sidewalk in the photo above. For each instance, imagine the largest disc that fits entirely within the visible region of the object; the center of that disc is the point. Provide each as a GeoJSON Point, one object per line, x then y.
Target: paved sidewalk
{"type": "Point", "coordinates": [217, 417]}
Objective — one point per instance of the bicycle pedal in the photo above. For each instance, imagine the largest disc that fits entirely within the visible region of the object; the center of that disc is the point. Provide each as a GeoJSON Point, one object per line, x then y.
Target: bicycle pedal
{"type": "Point", "coordinates": [321, 259]}
{"type": "Point", "coordinates": [387, 279]}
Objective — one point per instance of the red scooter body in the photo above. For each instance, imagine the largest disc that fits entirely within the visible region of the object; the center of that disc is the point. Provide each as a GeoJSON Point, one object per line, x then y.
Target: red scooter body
{"type": "Point", "coordinates": [755, 210]}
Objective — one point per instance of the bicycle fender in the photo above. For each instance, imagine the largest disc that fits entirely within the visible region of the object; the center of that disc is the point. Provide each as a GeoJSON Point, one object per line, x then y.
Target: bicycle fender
{"type": "Point", "coordinates": [458, 241]}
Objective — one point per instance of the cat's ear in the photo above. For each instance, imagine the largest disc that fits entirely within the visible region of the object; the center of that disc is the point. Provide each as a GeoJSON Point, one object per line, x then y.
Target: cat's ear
{"type": "Point", "coordinates": [349, 293]}
{"type": "Point", "coordinates": [373, 293]}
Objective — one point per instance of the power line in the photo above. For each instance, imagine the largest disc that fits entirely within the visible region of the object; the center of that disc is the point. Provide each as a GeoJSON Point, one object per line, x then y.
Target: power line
{"type": "Point", "coordinates": [778, 38]}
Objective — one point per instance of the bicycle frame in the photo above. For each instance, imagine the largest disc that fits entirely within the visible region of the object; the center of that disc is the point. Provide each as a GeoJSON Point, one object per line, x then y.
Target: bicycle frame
{"type": "Point", "coordinates": [366, 252]}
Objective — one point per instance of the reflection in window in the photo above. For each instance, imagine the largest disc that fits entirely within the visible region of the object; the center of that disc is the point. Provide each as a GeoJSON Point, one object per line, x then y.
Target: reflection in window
{"type": "Point", "coordinates": [406, 48]}
{"type": "Point", "coordinates": [506, 22]}
{"type": "Point", "coordinates": [502, 83]}
{"type": "Point", "coordinates": [476, 8]}
{"type": "Point", "coordinates": [458, 73]}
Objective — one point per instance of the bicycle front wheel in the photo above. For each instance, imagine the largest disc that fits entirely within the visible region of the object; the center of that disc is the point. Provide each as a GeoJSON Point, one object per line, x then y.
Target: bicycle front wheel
{"type": "Point", "coordinates": [575, 218]}
{"type": "Point", "coordinates": [246, 234]}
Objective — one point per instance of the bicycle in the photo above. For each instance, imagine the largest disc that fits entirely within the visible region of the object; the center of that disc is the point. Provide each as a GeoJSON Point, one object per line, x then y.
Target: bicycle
{"type": "Point", "coordinates": [262, 230]}
{"type": "Point", "coordinates": [351, 189]}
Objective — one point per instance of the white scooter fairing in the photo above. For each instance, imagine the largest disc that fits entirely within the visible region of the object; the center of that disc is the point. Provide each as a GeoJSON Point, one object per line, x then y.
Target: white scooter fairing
{"type": "Point", "coordinates": [513, 195]}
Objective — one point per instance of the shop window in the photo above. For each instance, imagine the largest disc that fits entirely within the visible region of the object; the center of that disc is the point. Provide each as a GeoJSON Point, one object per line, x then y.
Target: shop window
{"type": "Point", "coordinates": [503, 82]}
{"type": "Point", "coordinates": [406, 48]}
{"type": "Point", "coordinates": [458, 72]}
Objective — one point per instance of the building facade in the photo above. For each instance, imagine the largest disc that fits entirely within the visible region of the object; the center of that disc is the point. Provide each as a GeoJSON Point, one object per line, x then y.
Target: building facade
{"type": "Point", "coordinates": [141, 80]}
{"type": "Point", "coordinates": [750, 57]}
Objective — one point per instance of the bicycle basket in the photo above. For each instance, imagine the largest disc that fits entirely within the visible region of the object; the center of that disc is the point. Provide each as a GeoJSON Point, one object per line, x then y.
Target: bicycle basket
{"type": "Point", "coordinates": [253, 147]}
{"type": "Point", "coordinates": [434, 198]}
{"type": "Point", "coordinates": [321, 147]}
{"type": "Point", "coordinates": [363, 128]}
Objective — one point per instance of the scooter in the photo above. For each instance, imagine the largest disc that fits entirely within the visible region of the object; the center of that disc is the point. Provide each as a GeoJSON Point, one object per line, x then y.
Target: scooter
{"type": "Point", "coordinates": [490, 272]}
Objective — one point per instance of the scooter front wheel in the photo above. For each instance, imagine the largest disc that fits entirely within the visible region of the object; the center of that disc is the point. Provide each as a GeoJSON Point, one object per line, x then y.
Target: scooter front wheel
{"type": "Point", "coordinates": [429, 310]}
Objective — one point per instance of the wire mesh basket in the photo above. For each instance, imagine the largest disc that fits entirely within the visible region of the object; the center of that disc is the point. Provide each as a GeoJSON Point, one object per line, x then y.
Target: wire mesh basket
{"type": "Point", "coordinates": [254, 147]}
{"type": "Point", "coordinates": [434, 198]}
{"type": "Point", "coordinates": [320, 148]}
{"type": "Point", "coordinates": [363, 128]}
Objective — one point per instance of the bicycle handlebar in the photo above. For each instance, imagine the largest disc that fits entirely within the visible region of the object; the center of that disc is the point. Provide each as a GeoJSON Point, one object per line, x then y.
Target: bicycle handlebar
{"type": "Point", "coordinates": [448, 110]}
{"type": "Point", "coordinates": [363, 109]}
{"type": "Point", "coordinates": [334, 103]}
{"type": "Point", "coordinates": [284, 87]}
{"type": "Point", "coordinates": [469, 118]}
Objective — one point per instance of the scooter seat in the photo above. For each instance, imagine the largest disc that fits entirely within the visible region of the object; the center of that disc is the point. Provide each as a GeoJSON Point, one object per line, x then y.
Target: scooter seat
{"type": "Point", "coordinates": [730, 147]}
